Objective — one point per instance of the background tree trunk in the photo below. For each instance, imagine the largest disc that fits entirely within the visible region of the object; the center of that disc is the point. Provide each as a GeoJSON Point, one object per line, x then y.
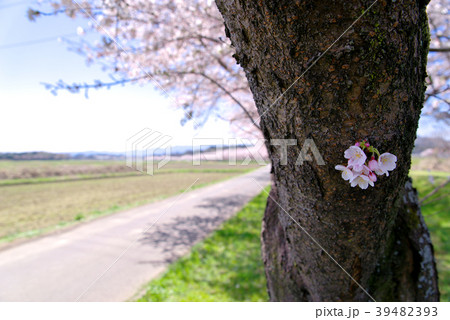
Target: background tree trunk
{"type": "Point", "coordinates": [369, 85]}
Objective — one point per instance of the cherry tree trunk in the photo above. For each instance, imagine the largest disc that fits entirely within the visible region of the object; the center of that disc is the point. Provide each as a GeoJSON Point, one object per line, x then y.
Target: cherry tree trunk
{"type": "Point", "coordinates": [369, 84]}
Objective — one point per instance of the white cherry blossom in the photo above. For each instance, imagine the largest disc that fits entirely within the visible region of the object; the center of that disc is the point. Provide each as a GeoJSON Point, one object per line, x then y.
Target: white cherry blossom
{"type": "Point", "coordinates": [347, 174]}
{"type": "Point", "coordinates": [386, 162]}
{"type": "Point", "coordinates": [362, 181]}
{"type": "Point", "coordinates": [355, 155]}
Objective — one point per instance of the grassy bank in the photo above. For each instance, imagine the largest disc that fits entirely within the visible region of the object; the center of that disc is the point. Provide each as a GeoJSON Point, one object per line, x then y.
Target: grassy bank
{"type": "Point", "coordinates": [436, 211]}
{"type": "Point", "coordinates": [227, 265]}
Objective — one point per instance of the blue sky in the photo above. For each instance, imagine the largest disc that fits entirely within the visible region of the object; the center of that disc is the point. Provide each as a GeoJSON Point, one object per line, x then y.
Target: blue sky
{"type": "Point", "coordinates": [35, 120]}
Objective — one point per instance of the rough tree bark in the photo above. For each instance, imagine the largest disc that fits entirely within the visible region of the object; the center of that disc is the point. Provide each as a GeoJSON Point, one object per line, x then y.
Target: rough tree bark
{"type": "Point", "coordinates": [368, 85]}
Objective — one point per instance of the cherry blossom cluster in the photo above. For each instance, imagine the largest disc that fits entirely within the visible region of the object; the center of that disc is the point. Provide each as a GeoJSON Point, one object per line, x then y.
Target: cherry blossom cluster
{"type": "Point", "coordinates": [179, 44]}
{"type": "Point", "coordinates": [361, 171]}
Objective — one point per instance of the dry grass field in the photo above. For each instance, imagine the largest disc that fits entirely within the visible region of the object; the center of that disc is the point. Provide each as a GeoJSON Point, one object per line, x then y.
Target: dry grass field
{"type": "Point", "coordinates": [67, 192]}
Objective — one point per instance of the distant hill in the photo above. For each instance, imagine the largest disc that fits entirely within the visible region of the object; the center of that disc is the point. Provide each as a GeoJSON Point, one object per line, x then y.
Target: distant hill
{"type": "Point", "coordinates": [96, 155]}
{"type": "Point", "coordinates": [432, 146]}
{"type": "Point", "coordinates": [176, 151]}
{"type": "Point", "coordinates": [36, 155]}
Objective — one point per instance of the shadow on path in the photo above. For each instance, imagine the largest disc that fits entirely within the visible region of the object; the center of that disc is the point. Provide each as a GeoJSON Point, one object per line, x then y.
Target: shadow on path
{"type": "Point", "coordinates": [175, 237]}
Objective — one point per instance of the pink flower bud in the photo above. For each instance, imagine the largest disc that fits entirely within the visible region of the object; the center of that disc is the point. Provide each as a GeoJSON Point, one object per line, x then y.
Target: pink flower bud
{"type": "Point", "coordinates": [357, 144]}
{"type": "Point", "coordinates": [373, 164]}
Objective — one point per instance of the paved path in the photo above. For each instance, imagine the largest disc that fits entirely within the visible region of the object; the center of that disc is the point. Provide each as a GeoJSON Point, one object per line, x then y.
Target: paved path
{"type": "Point", "coordinates": [65, 266]}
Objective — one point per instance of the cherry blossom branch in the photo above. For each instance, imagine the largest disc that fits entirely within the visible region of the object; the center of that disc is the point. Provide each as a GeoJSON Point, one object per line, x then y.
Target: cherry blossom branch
{"type": "Point", "coordinates": [444, 196]}
{"type": "Point", "coordinates": [434, 191]}
{"type": "Point", "coordinates": [76, 87]}
{"type": "Point", "coordinates": [232, 97]}
{"type": "Point", "coordinates": [439, 49]}
{"type": "Point", "coordinates": [32, 14]}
